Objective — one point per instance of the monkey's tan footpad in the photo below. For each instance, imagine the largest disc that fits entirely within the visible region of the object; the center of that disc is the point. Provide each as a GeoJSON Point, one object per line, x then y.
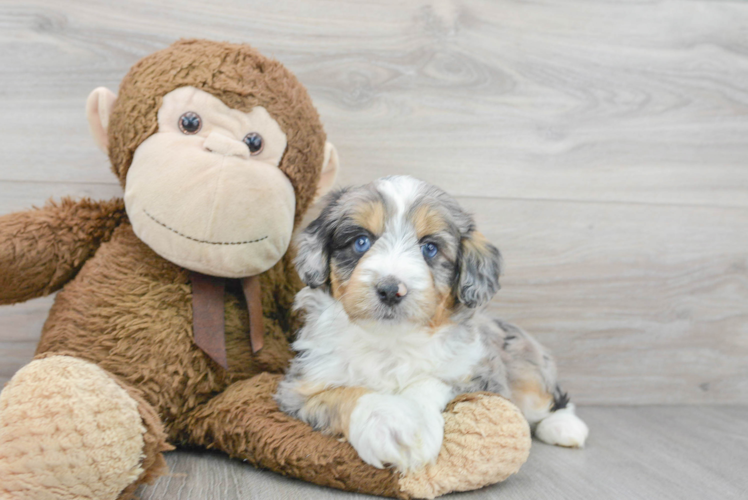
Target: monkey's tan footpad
{"type": "Point", "coordinates": [67, 431]}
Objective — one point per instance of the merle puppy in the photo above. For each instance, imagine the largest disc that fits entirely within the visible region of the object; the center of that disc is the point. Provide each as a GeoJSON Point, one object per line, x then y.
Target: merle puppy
{"type": "Point", "coordinates": [397, 275]}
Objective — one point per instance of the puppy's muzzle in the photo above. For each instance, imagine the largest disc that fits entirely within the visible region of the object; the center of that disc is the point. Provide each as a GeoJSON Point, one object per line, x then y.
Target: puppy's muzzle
{"type": "Point", "coordinates": [391, 291]}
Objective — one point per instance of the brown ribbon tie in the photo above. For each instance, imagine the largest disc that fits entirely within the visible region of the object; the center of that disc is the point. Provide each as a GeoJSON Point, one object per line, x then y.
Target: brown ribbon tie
{"type": "Point", "coordinates": [208, 324]}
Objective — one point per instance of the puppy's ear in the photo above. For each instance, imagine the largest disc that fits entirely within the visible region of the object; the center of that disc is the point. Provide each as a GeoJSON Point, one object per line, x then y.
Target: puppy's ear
{"type": "Point", "coordinates": [312, 258]}
{"type": "Point", "coordinates": [479, 268]}
{"type": "Point", "coordinates": [312, 245]}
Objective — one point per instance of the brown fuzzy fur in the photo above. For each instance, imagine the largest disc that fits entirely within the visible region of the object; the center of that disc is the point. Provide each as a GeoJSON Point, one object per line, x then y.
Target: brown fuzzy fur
{"type": "Point", "coordinates": [129, 311]}
{"type": "Point", "coordinates": [44, 248]}
{"type": "Point", "coordinates": [282, 443]}
{"type": "Point", "coordinates": [239, 76]}
{"type": "Point", "coordinates": [132, 315]}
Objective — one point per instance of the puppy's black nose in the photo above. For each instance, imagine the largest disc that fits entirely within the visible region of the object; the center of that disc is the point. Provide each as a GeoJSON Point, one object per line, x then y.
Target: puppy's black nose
{"type": "Point", "coordinates": [391, 291]}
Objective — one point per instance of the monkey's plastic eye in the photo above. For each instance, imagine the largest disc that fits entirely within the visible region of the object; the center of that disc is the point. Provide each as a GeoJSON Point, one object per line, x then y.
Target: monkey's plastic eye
{"type": "Point", "coordinates": [254, 142]}
{"type": "Point", "coordinates": [362, 244]}
{"type": "Point", "coordinates": [190, 123]}
{"type": "Point", "coordinates": [429, 250]}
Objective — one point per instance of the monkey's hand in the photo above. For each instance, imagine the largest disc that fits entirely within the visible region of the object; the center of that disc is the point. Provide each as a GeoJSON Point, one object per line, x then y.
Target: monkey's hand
{"type": "Point", "coordinates": [484, 439]}
{"type": "Point", "coordinates": [43, 248]}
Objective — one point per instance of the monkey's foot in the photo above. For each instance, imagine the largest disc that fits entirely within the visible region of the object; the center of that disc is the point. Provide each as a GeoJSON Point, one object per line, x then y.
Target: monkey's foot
{"type": "Point", "coordinates": [486, 440]}
{"type": "Point", "coordinates": [69, 430]}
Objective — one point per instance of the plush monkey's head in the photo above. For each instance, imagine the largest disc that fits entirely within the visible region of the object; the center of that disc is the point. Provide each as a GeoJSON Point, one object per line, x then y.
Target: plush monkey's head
{"type": "Point", "coordinates": [220, 152]}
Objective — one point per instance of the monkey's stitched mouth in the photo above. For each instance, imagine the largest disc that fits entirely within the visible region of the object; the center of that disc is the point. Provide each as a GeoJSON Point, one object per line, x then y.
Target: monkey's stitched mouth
{"type": "Point", "coordinates": [199, 240]}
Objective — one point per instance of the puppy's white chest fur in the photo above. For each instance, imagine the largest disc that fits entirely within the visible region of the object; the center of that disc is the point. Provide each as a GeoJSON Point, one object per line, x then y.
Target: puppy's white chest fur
{"type": "Point", "coordinates": [385, 357]}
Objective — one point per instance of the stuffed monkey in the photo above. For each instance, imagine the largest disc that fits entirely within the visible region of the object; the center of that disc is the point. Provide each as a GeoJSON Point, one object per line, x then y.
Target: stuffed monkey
{"type": "Point", "coordinates": [174, 315]}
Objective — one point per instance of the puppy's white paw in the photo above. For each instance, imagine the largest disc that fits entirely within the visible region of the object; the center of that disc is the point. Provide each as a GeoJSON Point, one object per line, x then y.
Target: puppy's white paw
{"type": "Point", "coordinates": [563, 428]}
{"type": "Point", "coordinates": [388, 429]}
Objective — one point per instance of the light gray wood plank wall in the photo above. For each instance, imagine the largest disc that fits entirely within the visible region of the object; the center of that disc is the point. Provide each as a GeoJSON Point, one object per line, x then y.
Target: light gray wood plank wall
{"type": "Point", "coordinates": [602, 145]}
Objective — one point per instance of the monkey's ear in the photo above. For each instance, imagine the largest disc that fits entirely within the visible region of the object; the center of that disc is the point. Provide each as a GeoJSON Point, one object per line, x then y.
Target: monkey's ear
{"type": "Point", "coordinates": [330, 166]}
{"type": "Point", "coordinates": [98, 109]}
{"type": "Point", "coordinates": [479, 270]}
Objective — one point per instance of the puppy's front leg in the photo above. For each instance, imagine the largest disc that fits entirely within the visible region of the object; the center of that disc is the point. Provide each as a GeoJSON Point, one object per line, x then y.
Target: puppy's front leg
{"type": "Point", "coordinates": [392, 429]}
{"type": "Point", "coordinates": [429, 394]}
{"type": "Point", "coordinates": [405, 429]}
{"type": "Point", "coordinates": [330, 410]}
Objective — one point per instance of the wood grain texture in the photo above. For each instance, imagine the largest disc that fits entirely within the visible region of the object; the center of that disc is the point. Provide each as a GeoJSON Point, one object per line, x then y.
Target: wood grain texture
{"type": "Point", "coordinates": [20, 326]}
{"type": "Point", "coordinates": [602, 146]}
{"type": "Point", "coordinates": [683, 453]}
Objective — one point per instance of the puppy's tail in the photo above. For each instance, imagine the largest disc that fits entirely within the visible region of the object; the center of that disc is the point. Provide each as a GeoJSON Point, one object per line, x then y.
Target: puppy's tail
{"type": "Point", "coordinates": [560, 425]}
{"type": "Point", "coordinates": [534, 388]}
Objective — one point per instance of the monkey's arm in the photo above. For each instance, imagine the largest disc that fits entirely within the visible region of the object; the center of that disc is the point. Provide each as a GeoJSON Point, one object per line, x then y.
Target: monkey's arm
{"type": "Point", "coordinates": [486, 439]}
{"type": "Point", "coordinates": [43, 248]}
{"type": "Point", "coordinates": [245, 422]}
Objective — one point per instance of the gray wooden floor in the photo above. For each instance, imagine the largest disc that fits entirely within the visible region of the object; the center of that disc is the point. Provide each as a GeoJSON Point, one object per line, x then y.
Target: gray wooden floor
{"type": "Point", "coordinates": [650, 452]}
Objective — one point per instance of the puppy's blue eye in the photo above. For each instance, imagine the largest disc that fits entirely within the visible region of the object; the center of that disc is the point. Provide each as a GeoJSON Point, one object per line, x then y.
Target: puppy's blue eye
{"type": "Point", "coordinates": [429, 250]}
{"type": "Point", "coordinates": [362, 244]}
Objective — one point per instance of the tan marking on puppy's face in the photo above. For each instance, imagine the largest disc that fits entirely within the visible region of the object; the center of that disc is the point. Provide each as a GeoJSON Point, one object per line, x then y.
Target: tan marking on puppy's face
{"type": "Point", "coordinates": [337, 284]}
{"type": "Point", "coordinates": [430, 301]}
{"type": "Point", "coordinates": [444, 309]}
{"type": "Point", "coordinates": [333, 407]}
{"type": "Point", "coordinates": [416, 234]}
{"type": "Point", "coordinates": [431, 225]}
{"type": "Point", "coordinates": [356, 298]}
{"type": "Point", "coordinates": [427, 221]}
{"type": "Point", "coordinates": [370, 216]}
